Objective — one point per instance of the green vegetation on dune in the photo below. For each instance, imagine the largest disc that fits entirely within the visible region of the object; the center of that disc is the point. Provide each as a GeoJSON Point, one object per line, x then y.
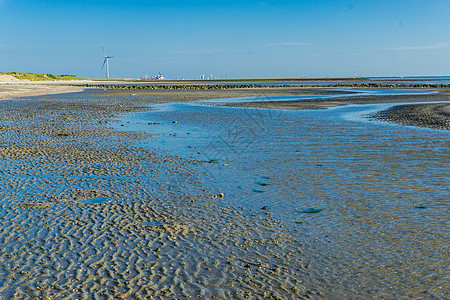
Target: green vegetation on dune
{"type": "Point", "coordinates": [40, 77]}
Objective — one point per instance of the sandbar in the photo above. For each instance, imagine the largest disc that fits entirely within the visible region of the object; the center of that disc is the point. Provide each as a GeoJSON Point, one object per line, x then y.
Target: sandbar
{"type": "Point", "coordinates": [16, 88]}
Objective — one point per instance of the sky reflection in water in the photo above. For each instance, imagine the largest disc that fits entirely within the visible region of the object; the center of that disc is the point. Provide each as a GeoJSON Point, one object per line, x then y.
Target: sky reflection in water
{"type": "Point", "coordinates": [380, 191]}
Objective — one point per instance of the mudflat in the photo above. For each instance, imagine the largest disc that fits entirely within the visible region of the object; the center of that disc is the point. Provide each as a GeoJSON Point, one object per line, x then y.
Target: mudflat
{"type": "Point", "coordinates": [431, 115]}
{"type": "Point", "coordinates": [84, 214]}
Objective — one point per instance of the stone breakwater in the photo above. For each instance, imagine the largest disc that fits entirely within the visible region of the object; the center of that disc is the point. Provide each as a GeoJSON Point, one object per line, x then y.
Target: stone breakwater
{"type": "Point", "coordinates": [431, 115]}
{"type": "Point", "coordinates": [83, 215]}
{"type": "Point", "coordinates": [249, 86]}
{"type": "Point", "coordinates": [176, 86]}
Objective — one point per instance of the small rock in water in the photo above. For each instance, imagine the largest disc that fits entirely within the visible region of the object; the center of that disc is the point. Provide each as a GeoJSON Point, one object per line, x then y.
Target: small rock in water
{"type": "Point", "coordinates": [421, 206]}
{"type": "Point", "coordinates": [265, 208]}
{"type": "Point", "coordinates": [174, 122]}
{"type": "Point", "coordinates": [311, 210]}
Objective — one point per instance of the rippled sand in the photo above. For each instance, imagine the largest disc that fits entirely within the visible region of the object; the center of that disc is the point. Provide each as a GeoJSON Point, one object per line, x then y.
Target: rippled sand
{"type": "Point", "coordinates": [85, 215]}
{"type": "Point", "coordinates": [431, 115]}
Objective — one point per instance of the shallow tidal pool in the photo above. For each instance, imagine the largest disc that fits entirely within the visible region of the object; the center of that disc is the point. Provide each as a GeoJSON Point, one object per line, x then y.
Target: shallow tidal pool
{"type": "Point", "coordinates": [367, 200]}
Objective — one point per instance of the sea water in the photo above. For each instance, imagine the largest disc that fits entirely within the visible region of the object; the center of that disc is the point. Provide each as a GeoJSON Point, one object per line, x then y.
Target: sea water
{"type": "Point", "coordinates": [366, 200]}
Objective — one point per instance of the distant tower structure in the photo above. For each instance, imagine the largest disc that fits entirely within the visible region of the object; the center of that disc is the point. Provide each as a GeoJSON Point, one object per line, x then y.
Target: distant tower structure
{"type": "Point", "coordinates": [354, 75]}
{"type": "Point", "coordinates": [106, 61]}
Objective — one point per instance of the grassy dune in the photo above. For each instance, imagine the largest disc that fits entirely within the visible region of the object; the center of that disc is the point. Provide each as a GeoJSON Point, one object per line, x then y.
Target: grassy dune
{"type": "Point", "coordinates": [40, 77]}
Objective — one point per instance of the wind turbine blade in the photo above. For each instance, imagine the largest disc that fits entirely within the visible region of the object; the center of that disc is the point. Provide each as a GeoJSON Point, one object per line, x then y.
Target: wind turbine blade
{"type": "Point", "coordinates": [104, 52]}
{"type": "Point", "coordinates": [104, 62]}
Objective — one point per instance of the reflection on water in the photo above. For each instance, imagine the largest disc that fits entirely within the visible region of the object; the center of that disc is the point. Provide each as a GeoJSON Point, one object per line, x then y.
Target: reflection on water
{"type": "Point", "coordinates": [413, 79]}
{"type": "Point", "coordinates": [369, 200]}
{"type": "Point", "coordinates": [348, 93]}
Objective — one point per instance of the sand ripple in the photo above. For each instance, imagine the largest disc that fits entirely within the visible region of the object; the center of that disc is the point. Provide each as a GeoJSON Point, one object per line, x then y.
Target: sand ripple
{"type": "Point", "coordinates": [86, 215]}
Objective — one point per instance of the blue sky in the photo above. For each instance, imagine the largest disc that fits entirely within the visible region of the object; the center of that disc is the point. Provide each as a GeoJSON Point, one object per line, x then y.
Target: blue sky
{"type": "Point", "coordinates": [232, 39]}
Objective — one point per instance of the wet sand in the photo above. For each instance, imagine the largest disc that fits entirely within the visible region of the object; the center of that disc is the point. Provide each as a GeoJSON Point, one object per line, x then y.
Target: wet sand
{"type": "Point", "coordinates": [432, 115]}
{"type": "Point", "coordinates": [192, 95]}
{"type": "Point", "coordinates": [442, 95]}
{"type": "Point", "coordinates": [84, 215]}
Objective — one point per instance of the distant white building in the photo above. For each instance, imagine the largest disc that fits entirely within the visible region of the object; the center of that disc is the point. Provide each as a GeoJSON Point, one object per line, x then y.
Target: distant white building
{"type": "Point", "coordinates": [159, 76]}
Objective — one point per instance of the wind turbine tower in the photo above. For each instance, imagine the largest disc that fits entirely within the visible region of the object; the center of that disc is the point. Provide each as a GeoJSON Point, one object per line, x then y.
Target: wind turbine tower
{"type": "Point", "coordinates": [106, 61]}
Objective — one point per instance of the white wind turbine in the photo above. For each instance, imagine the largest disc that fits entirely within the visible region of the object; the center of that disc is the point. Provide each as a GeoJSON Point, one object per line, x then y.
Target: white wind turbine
{"type": "Point", "coordinates": [106, 61]}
